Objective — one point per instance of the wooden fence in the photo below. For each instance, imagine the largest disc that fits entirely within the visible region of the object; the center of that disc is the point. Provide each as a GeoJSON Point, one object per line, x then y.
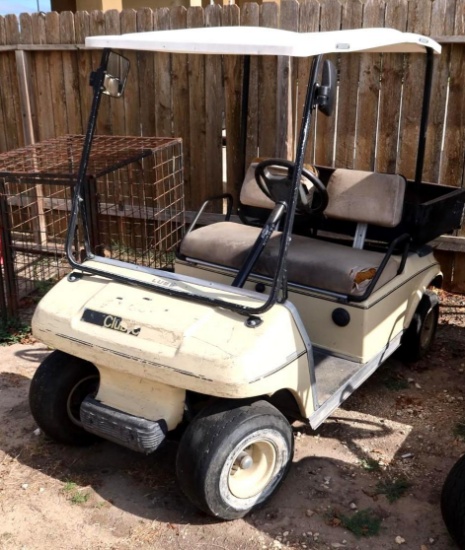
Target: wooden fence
{"type": "Point", "coordinates": [44, 91]}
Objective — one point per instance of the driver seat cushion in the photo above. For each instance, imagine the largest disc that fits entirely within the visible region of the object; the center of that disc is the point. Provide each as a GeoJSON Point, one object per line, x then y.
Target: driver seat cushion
{"type": "Point", "coordinates": [311, 262]}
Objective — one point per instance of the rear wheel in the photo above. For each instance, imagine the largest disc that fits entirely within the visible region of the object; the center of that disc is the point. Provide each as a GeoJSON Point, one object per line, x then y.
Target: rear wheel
{"type": "Point", "coordinates": [57, 390]}
{"type": "Point", "coordinates": [453, 502]}
{"type": "Point", "coordinates": [233, 458]}
{"type": "Point", "coordinates": [418, 338]}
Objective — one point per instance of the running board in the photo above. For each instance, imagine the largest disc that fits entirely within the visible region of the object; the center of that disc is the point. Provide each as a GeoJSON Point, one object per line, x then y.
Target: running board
{"type": "Point", "coordinates": [349, 385]}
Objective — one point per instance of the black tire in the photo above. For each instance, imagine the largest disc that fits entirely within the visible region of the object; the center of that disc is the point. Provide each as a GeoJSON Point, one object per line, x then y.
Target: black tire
{"type": "Point", "coordinates": [208, 457]}
{"type": "Point", "coordinates": [418, 338]}
{"type": "Point", "coordinates": [57, 390]}
{"type": "Point", "coordinates": [453, 502]}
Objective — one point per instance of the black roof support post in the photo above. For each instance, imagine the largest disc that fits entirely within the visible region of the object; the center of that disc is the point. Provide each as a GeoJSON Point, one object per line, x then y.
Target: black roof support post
{"type": "Point", "coordinates": [424, 116]}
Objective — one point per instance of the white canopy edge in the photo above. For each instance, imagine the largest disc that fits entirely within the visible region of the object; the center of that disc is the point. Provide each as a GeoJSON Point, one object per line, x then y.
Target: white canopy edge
{"type": "Point", "coordinates": [266, 41]}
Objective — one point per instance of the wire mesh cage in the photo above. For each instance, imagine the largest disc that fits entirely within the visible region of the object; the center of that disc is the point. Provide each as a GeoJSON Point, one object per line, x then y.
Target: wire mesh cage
{"type": "Point", "coordinates": [134, 200]}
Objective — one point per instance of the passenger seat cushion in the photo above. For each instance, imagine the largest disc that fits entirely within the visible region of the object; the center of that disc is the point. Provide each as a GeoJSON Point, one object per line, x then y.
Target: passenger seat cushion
{"type": "Point", "coordinates": [366, 197]}
{"type": "Point", "coordinates": [327, 265]}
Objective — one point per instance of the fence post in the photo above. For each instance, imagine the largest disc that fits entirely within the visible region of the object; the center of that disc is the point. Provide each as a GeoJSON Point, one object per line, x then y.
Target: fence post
{"type": "Point", "coordinates": [22, 68]}
{"type": "Point", "coordinates": [39, 224]}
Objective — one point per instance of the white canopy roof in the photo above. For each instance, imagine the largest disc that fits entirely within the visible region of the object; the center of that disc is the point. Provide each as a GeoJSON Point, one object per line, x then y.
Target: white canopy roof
{"type": "Point", "coordinates": [266, 41]}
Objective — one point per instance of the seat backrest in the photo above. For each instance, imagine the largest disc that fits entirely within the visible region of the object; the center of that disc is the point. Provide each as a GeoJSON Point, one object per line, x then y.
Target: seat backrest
{"type": "Point", "coordinates": [252, 195]}
{"type": "Point", "coordinates": [366, 197]}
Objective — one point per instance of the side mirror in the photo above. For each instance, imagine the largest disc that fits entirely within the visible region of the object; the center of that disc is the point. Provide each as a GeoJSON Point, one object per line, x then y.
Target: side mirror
{"type": "Point", "coordinates": [326, 92]}
{"type": "Point", "coordinates": [115, 75]}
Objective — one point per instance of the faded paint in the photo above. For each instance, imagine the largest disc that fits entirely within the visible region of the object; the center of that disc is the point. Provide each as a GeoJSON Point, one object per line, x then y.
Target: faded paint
{"type": "Point", "coordinates": [181, 345]}
{"type": "Point", "coordinates": [374, 322]}
{"type": "Point", "coordinates": [150, 348]}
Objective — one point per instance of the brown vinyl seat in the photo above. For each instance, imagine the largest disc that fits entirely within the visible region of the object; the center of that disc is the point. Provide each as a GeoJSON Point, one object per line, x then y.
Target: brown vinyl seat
{"type": "Point", "coordinates": [364, 197]}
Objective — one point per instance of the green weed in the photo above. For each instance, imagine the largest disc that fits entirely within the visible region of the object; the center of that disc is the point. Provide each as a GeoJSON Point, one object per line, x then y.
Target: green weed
{"type": "Point", "coordinates": [74, 493]}
{"type": "Point", "coordinates": [364, 523]}
{"type": "Point", "coordinates": [393, 489]}
{"type": "Point", "coordinates": [70, 486]}
{"type": "Point", "coordinates": [13, 331]}
{"type": "Point", "coordinates": [79, 498]}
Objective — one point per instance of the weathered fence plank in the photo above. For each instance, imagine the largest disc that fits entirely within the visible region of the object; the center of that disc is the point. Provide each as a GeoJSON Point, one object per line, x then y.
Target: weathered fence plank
{"type": "Point", "coordinates": [286, 86]}
{"type": "Point", "coordinates": [162, 83]}
{"type": "Point", "coordinates": [352, 18]}
{"type": "Point", "coordinates": [180, 100]}
{"type": "Point", "coordinates": [214, 101]}
{"type": "Point", "coordinates": [442, 24]}
{"type": "Point", "coordinates": [97, 27]}
{"type": "Point", "coordinates": [115, 109]}
{"type": "Point", "coordinates": [40, 74]}
{"type": "Point", "coordinates": [369, 89]}
{"type": "Point", "coordinates": [418, 18]}
{"type": "Point", "coordinates": [85, 64]}
{"type": "Point", "coordinates": [10, 95]}
{"type": "Point", "coordinates": [330, 20]}
{"type": "Point", "coordinates": [267, 118]}
{"type": "Point", "coordinates": [309, 21]}
{"type": "Point", "coordinates": [232, 91]}
{"type": "Point", "coordinates": [56, 74]}
{"type": "Point", "coordinates": [197, 111]}
{"type": "Point", "coordinates": [130, 99]}
{"type": "Point", "coordinates": [391, 93]}
{"type": "Point", "coordinates": [250, 16]}
{"type": "Point", "coordinates": [70, 75]}
{"type": "Point", "coordinates": [453, 151]}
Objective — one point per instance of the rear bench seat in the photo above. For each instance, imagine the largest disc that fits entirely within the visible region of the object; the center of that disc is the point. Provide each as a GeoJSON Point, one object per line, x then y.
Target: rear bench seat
{"type": "Point", "coordinates": [363, 197]}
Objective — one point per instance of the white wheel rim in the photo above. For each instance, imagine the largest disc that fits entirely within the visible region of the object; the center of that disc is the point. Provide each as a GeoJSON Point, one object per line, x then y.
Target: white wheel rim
{"type": "Point", "coordinates": [73, 404]}
{"type": "Point", "coordinates": [247, 482]}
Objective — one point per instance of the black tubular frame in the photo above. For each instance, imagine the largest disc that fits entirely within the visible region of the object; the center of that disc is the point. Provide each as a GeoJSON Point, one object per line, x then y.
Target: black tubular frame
{"type": "Point", "coordinates": [279, 288]}
{"type": "Point", "coordinates": [97, 80]}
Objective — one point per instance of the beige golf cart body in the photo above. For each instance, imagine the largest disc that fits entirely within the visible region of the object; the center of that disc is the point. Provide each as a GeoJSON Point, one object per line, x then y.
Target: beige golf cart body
{"type": "Point", "coordinates": [168, 334]}
{"type": "Point", "coordinates": [278, 316]}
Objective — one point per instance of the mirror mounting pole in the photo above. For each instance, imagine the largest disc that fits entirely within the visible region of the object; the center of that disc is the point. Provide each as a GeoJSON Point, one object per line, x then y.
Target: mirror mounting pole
{"type": "Point", "coordinates": [96, 81]}
{"type": "Point", "coordinates": [280, 284]}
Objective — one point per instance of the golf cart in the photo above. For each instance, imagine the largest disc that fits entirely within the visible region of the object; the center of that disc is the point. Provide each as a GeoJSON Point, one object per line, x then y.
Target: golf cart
{"type": "Point", "coordinates": [278, 317]}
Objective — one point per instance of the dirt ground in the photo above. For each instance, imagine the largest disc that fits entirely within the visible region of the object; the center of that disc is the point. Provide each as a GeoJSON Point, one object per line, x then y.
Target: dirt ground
{"type": "Point", "coordinates": [394, 439]}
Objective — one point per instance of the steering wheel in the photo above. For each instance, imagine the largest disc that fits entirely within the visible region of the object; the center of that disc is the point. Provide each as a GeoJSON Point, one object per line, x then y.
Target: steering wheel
{"type": "Point", "coordinates": [276, 185]}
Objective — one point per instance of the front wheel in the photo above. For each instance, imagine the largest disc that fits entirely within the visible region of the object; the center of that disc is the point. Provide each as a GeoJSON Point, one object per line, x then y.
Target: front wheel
{"type": "Point", "coordinates": [453, 502]}
{"type": "Point", "coordinates": [233, 458]}
{"type": "Point", "coordinates": [59, 386]}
